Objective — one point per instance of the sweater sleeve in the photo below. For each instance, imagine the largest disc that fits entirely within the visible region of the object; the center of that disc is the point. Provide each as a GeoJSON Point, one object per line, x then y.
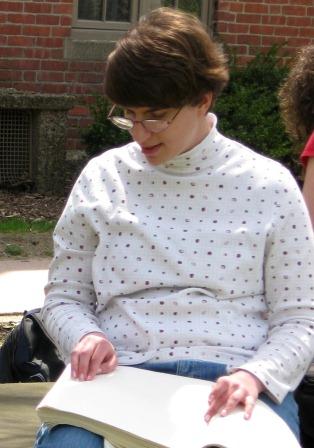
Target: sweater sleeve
{"type": "Point", "coordinates": [69, 309]}
{"type": "Point", "coordinates": [308, 151]}
{"type": "Point", "coordinates": [282, 360]}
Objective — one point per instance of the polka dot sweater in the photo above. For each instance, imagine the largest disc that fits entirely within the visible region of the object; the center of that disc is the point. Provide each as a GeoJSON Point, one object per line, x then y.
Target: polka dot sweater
{"type": "Point", "coordinates": [209, 256]}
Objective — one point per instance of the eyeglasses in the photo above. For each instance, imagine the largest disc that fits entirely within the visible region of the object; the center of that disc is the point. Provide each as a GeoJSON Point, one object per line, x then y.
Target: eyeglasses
{"type": "Point", "coordinates": [127, 124]}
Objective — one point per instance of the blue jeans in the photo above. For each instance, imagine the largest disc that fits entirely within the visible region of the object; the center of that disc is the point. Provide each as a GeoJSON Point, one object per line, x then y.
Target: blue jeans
{"type": "Point", "coordinates": [64, 436]}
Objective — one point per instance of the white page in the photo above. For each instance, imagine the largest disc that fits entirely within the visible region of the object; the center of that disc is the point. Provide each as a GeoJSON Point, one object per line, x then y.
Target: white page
{"type": "Point", "coordinates": [166, 409]}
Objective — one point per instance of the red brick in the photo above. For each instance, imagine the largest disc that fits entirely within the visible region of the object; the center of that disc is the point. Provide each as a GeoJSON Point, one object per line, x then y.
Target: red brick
{"type": "Point", "coordinates": [45, 19]}
{"type": "Point", "coordinates": [70, 77]}
{"type": "Point", "coordinates": [81, 66]}
{"type": "Point", "coordinates": [11, 52]}
{"type": "Point", "coordinates": [223, 16]}
{"type": "Point", "coordinates": [286, 31]}
{"type": "Point", "coordinates": [25, 64]}
{"type": "Point", "coordinates": [3, 40]}
{"type": "Point", "coordinates": [11, 6]}
{"type": "Point", "coordinates": [60, 32]}
{"type": "Point", "coordinates": [35, 30]}
{"type": "Point", "coordinates": [290, 10]}
{"type": "Point", "coordinates": [258, 8]}
{"type": "Point", "coordinates": [28, 86]}
{"type": "Point", "coordinates": [90, 78]}
{"type": "Point", "coordinates": [21, 18]}
{"type": "Point", "coordinates": [54, 65]}
{"type": "Point", "coordinates": [274, 9]}
{"type": "Point", "coordinates": [52, 42]}
{"type": "Point", "coordinates": [37, 7]}
{"type": "Point", "coordinates": [249, 39]}
{"type": "Point", "coordinates": [238, 28]}
{"type": "Point", "coordinates": [10, 29]}
{"type": "Point", "coordinates": [21, 41]}
{"type": "Point", "coordinates": [51, 76]}
{"type": "Point", "coordinates": [262, 29]}
{"type": "Point", "coordinates": [10, 75]}
{"type": "Point", "coordinates": [63, 9]}
{"type": "Point", "coordinates": [249, 18]}
{"type": "Point", "coordinates": [54, 88]}
{"type": "Point", "coordinates": [274, 20]}
{"type": "Point", "coordinates": [229, 38]}
{"type": "Point", "coordinates": [268, 41]}
{"type": "Point", "coordinates": [299, 21]}
{"type": "Point", "coordinates": [65, 21]}
{"type": "Point", "coordinates": [3, 18]}
{"type": "Point", "coordinates": [301, 2]}
{"type": "Point", "coordinates": [56, 54]}
{"type": "Point", "coordinates": [29, 76]}
{"type": "Point", "coordinates": [81, 111]}
{"type": "Point", "coordinates": [37, 53]}
{"type": "Point", "coordinates": [231, 6]}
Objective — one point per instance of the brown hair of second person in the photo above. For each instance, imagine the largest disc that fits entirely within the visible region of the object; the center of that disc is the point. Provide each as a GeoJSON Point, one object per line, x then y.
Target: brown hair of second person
{"type": "Point", "coordinates": [166, 60]}
{"type": "Point", "coordinates": [296, 96]}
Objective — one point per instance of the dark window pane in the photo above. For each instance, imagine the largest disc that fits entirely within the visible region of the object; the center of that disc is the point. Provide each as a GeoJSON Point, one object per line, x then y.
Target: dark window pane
{"type": "Point", "coordinates": [90, 9]}
{"type": "Point", "coordinates": [118, 10]}
{"type": "Point", "coordinates": [168, 3]}
{"type": "Point", "coordinates": [193, 6]}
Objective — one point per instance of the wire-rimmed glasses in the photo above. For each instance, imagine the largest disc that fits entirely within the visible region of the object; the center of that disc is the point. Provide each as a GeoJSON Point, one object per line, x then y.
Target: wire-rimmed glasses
{"type": "Point", "coordinates": [151, 125]}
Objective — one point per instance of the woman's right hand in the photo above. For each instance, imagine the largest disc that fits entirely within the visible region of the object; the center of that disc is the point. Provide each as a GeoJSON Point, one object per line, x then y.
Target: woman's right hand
{"type": "Point", "coordinates": [92, 355]}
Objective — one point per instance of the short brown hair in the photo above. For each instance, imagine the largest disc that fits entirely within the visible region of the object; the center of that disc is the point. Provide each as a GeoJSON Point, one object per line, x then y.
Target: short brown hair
{"type": "Point", "coordinates": [296, 96]}
{"type": "Point", "coordinates": [166, 60]}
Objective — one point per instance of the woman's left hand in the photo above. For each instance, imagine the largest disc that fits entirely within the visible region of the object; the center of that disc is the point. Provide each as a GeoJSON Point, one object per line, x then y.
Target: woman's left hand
{"type": "Point", "coordinates": [239, 388]}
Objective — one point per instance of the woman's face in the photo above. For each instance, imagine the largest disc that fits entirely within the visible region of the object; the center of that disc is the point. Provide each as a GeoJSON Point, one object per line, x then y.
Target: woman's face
{"type": "Point", "coordinates": [189, 127]}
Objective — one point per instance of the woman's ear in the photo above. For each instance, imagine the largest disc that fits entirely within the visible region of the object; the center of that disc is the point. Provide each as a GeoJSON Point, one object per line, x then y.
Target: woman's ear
{"type": "Point", "coordinates": [206, 102]}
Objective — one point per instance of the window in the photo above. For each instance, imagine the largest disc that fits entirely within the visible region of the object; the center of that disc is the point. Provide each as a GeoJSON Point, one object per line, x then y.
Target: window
{"type": "Point", "coordinates": [97, 24]}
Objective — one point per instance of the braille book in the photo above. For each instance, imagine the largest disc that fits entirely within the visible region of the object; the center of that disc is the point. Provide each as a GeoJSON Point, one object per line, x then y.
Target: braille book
{"type": "Point", "coordinates": [135, 408]}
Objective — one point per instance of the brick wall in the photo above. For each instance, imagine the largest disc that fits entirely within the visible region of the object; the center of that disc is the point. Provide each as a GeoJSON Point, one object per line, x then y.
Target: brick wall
{"type": "Point", "coordinates": [251, 25]}
{"type": "Point", "coordinates": [33, 33]}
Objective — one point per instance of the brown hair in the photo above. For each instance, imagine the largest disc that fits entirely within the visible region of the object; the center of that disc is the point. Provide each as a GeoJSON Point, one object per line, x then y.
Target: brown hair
{"type": "Point", "coordinates": [166, 60]}
{"type": "Point", "coordinates": [296, 96]}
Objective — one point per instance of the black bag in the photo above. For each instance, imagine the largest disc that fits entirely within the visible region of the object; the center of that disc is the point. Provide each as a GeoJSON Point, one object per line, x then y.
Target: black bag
{"type": "Point", "coordinates": [28, 354]}
{"type": "Point", "coordinates": [304, 396]}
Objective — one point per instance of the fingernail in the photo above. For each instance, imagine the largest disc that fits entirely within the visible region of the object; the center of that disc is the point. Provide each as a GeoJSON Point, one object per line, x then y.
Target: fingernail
{"type": "Point", "coordinates": [82, 377]}
{"type": "Point", "coordinates": [223, 413]}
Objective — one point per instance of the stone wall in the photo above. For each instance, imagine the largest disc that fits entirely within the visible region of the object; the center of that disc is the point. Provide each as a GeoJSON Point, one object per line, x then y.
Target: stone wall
{"type": "Point", "coordinates": [48, 142]}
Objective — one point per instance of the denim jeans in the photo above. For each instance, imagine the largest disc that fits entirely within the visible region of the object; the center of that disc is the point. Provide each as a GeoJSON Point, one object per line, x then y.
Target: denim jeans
{"type": "Point", "coordinates": [65, 436]}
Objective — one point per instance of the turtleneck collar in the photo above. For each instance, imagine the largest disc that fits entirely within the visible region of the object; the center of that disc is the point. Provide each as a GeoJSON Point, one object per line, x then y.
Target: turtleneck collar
{"type": "Point", "coordinates": [196, 159]}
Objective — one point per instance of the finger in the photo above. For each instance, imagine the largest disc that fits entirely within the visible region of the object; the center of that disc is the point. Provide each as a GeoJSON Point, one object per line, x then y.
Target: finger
{"type": "Point", "coordinates": [232, 402]}
{"type": "Point", "coordinates": [74, 364]}
{"type": "Point", "coordinates": [83, 365]}
{"type": "Point", "coordinates": [218, 390]}
{"type": "Point", "coordinates": [109, 365]}
{"type": "Point", "coordinates": [103, 355]}
{"type": "Point", "coordinates": [249, 406]}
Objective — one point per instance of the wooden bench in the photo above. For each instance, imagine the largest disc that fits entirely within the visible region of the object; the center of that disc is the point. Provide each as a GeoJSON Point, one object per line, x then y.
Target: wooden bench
{"type": "Point", "coordinates": [18, 417]}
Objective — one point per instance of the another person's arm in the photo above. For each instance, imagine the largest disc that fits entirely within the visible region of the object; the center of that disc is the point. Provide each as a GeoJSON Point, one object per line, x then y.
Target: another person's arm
{"type": "Point", "coordinates": [308, 187]}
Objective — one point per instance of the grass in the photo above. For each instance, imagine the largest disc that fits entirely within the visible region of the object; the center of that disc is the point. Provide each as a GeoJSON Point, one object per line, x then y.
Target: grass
{"type": "Point", "coordinates": [20, 225]}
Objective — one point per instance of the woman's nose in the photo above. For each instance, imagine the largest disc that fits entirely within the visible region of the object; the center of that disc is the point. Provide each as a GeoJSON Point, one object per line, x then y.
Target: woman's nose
{"type": "Point", "coordinates": [139, 133]}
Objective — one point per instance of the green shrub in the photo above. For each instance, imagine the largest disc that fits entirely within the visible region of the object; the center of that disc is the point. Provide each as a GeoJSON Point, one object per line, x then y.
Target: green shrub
{"type": "Point", "coordinates": [248, 109]}
{"type": "Point", "coordinates": [102, 134]}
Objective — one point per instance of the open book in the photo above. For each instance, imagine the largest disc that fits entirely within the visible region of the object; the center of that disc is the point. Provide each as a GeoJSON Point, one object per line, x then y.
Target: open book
{"type": "Point", "coordinates": [135, 408]}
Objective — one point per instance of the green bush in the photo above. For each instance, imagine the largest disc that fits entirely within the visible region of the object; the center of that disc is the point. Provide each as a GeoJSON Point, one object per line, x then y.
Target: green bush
{"type": "Point", "coordinates": [102, 134]}
{"type": "Point", "coordinates": [248, 109]}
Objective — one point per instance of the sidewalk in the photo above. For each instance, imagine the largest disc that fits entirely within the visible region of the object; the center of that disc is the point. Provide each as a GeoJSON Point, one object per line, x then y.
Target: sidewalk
{"type": "Point", "coordinates": [22, 285]}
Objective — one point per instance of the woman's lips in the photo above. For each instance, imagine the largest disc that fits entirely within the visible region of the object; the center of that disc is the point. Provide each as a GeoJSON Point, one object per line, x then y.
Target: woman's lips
{"type": "Point", "coordinates": [150, 150]}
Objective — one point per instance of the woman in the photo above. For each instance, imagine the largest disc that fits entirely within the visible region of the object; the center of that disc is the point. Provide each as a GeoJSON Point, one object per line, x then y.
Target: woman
{"type": "Point", "coordinates": [181, 251]}
{"type": "Point", "coordinates": [297, 105]}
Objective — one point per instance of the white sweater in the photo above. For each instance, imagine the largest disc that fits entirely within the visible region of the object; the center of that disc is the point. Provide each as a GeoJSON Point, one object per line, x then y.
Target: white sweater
{"type": "Point", "coordinates": [209, 257]}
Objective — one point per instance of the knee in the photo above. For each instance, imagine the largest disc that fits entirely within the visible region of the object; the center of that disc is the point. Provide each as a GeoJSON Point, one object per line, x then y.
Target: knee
{"type": "Point", "coordinates": [66, 436]}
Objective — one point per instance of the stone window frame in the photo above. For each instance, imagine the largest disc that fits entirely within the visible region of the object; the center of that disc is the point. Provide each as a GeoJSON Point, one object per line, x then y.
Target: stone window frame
{"type": "Point", "coordinates": [95, 39]}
